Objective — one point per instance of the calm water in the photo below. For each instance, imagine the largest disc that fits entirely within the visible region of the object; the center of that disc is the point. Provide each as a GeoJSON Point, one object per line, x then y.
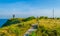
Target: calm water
{"type": "Point", "coordinates": [2, 21]}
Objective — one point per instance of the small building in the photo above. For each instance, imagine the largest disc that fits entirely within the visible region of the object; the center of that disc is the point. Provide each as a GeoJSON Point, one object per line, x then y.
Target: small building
{"type": "Point", "coordinates": [13, 15]}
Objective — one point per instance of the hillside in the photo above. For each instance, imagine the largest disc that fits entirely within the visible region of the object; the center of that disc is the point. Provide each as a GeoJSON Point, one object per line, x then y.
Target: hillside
{"type": "Point", "coordinates": [13, 21]}
{"type": "Point", "coordinates": [46, 27]}
{"type": "Point", "coordinates": [16, 29]}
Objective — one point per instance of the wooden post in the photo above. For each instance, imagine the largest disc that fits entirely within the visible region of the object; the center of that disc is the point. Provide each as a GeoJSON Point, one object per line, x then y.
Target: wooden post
{"type": "Point", "coordinates": [37, 20]}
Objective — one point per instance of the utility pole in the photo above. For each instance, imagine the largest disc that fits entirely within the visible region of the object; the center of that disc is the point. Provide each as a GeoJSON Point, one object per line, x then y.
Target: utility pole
{"type": "Point", "coordinates": [53, 13]}
{"type": "Point", "coordinates": [54, 18]}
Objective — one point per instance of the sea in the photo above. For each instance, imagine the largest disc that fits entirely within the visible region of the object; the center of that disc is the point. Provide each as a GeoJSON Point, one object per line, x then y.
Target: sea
{"type": "Point", "coordinates": [2, 21]}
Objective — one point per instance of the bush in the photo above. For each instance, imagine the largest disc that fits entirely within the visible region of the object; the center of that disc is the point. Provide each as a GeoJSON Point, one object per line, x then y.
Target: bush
{"type": "Point", "coordinates": [42, 29]}
{"type": "Point", "coordinates": [46, 17]}
{"type": "Point", "coordinates": [13, 21]}
{"type": "Point", "coordinates": [43, 17]}
{"type": "Point", "coordinates": [58, 18]}
{"type": "Point", "coordinates": [29, 18]}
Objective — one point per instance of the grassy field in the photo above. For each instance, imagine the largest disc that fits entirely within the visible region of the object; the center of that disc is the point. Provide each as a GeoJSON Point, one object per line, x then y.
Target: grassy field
{"type": "Point", "coordinates": [46, 27]}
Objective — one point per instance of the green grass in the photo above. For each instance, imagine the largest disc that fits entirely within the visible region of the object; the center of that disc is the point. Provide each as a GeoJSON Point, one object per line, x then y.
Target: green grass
{"type": "Point", "coordinates": [46, 27]}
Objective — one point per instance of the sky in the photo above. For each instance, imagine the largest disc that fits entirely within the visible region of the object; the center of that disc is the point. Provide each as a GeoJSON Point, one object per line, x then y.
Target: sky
{"type": "Point", "coordinates": [26, 8]}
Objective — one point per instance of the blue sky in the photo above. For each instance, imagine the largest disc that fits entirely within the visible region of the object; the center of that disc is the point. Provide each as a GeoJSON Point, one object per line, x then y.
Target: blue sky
{"type": "Point", "coordinates": [26, 8]}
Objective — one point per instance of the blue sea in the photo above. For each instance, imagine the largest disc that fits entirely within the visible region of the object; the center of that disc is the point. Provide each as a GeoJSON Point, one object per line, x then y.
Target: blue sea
{"type": "Point", "coordinates": [2, 21]}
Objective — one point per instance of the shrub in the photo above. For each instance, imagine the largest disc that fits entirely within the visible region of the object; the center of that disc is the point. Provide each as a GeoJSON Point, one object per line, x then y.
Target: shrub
{"type": "Point", "coordinates": [43, 17]}
{"type": "Point", "coordinates": [29, 18]}
{"type": "Point", "coordinates": [58, 18]}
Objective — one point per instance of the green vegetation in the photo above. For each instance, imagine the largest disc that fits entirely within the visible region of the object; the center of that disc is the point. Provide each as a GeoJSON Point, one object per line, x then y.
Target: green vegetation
{"type": "Point", "coordinates": [43, 17]}
{"type": "Point", "coordinates": [29, 18]}
{"type": "Point", "coordinates": [18, 27]}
